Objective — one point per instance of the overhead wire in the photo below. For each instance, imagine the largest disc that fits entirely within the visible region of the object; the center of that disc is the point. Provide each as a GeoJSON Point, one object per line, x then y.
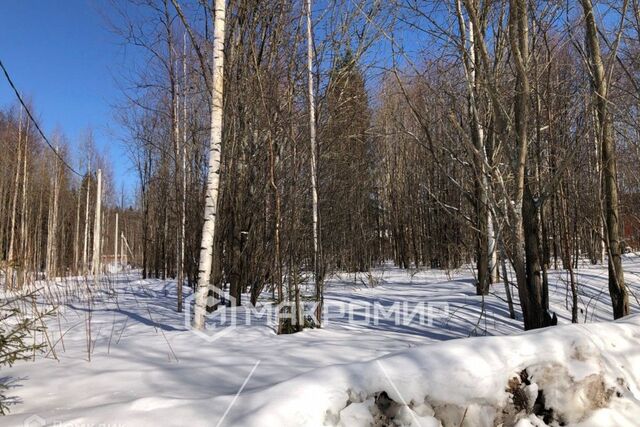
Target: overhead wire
{"type": "Point", "coordinates": [35, 123]}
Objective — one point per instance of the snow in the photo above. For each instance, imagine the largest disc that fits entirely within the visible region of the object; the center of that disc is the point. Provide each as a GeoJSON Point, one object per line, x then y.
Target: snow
{"type": "Point", "coordinates": [147, 368]}
{"type": "Point", "coordinates": [469, 377]}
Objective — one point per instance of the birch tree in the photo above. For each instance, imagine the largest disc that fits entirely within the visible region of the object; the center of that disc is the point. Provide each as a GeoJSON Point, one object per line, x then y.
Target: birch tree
{"type": "Point", "coordinates": [97, 227]}
{"type": "Point", "coordinates": [314, 165]}
{"type": "Point", "coordinates": [213, 178]}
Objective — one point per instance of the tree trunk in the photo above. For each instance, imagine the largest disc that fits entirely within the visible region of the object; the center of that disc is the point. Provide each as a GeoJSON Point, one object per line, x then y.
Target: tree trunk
{"type": "Point", "coordinates": [95, 264]}
{"type": "Point", "coordinates": [183, 211]}
{"type": "Point", "coordinates": [12, 262]}
{"type": "Point", "coordinates": [213, 179]}
{"type": "Point", "coordinates": [314, 168]}
{"type": "Point", "coordinates": [527, 256]}
{"type": "Point", "coordinates": [617, 288]}
{"type": "Point", "coordinates": [14, 203]}
{"type": "Point", "coordinates": [52, 233]}
{"type": "Point", "coordinates": [85, 250]}
{"type": "Point", "coordinates": [115, 244]}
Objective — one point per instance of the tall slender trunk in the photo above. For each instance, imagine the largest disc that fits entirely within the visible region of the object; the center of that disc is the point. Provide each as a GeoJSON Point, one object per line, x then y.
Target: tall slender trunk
{"type": "Point", "coordinates": [527, 255]}
{"type": "Point", "coordinates": [567, 254]}
{"type": "Point", "coordinates": [505, 278]}
{"type": "Point", "coordinates": [617, 287]}
{"type": "Point", "coordinates": [52, 232]}
{"type": "Point", "coordinates": [95, 265]}
{"type": "Point", "coordinates": [213, 179]}
{"type": "Point", "coordinates": [37, 240]}
{"type": "Point", "coordinates": [76, 233]}
{"type": "Point", "coordinates": [314, 168]}
{"type": "Point", "coordinates": [25, 217]}
{"type": "Point", "coordinates": [123, 254]}
{"type": "Point", "coordinates": [165, 229]}
{"type": "Point", "coordinates": [277, 256]}
{"type": "Point", "coordinates": [175, 137]}
{"type": "Point", "coordinates": [103, 226]}
{"type": "Point", "coordinates": [145, 214]}
{"type": "Point", "coordinates": [486, 255]}
{"type": "Point", "coordinates": [492, 244]}
{"type": "Point", "coordinates": [85, 250]}
{"type": "Point", "coordinates": [183, 210]}
{"type": "Point", "coordinates": [14, 203]}
{"type": "Point", "coordinates": [485, 230]}
{"type": "Point", "coordinates": [115, 245]}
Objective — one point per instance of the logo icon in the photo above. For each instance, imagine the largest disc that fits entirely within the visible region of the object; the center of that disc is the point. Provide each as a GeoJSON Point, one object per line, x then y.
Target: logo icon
{"type": "Point", "coordinates": [34, 421]}
{"type": "Point", "coordinates": [220, 319]}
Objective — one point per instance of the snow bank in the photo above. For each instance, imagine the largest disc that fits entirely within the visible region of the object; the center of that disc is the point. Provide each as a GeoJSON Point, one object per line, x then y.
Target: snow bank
{"type": "Point", "coordinates": [587, 375]}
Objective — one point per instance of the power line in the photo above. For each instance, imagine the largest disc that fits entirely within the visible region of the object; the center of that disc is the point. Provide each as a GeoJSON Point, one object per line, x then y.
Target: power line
{"type": "Point", "coordinates": [64, 162]}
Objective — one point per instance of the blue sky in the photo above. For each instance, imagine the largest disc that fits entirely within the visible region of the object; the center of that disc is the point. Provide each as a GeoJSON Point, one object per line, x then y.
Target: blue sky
{"type": "Point", "coordinates": [62, 56]}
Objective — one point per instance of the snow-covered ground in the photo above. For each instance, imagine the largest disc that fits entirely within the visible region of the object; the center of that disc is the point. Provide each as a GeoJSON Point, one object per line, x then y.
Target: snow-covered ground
{"type": "Point", "coordinates": [129, 359]}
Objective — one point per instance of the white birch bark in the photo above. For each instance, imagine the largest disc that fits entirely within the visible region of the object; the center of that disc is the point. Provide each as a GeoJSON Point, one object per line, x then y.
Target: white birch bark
{"type": "Point", "coordinates": [183, 218]}
{"type": "Point", "coordinates": [493, 250]}
{"type": "Point", "coordinates": [115, 243]}
{"type": "Point", "coordinates": [312, 140]}
{"type": "Point", "coordinates": [491, 236]}
{"type": "Point", "coordinates": [123, 255]}
{"type": "Point", "coordinates": [470, 66]}
{"type": "Point", "coordinates": [213, 179]}
{"type": "Point", "coordinates": [95, 265]}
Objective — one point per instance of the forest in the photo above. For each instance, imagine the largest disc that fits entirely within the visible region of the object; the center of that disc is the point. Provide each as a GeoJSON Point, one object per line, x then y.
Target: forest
{"type": "Point", "coordinates": [309, 157]}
